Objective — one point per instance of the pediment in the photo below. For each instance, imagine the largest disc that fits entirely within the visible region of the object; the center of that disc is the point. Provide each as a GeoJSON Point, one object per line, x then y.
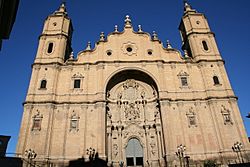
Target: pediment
{"type": "Point", "coordinates": [128, 45]}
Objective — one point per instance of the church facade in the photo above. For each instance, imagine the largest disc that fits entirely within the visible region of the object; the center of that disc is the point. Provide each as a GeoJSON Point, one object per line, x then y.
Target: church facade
{"type": "Point", "coordinates": [131, 100]}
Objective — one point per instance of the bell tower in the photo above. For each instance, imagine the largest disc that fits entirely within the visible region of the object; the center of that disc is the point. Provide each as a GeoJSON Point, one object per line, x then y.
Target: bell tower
{"type": "Point", "coordinates": [55, 40]}
{"type": "Point", "coordinates": [198, 41]}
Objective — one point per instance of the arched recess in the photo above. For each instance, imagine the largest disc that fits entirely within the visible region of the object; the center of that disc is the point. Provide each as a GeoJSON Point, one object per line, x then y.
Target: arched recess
{"type": "Point", "coordinates": [132, 109]}
{"type": "Point", "coordinates": [130, 74]}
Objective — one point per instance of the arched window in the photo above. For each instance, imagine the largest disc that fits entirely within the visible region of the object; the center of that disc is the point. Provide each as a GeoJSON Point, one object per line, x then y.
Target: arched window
{"type": "Point", "coordinates": [43, 84]}
{"type": "Point", "coordinates": [50, 47]}
{"type": "Point", "coordinates": [216, 80]}
{"type": "Point", "coordinates": [134, 152]}
{"type": "Point", "coordinates": [205, 47]}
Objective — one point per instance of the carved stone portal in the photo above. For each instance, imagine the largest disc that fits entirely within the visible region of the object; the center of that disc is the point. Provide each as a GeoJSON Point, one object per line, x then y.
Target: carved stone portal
{"type": "Point", "coordinates": [133, 113]}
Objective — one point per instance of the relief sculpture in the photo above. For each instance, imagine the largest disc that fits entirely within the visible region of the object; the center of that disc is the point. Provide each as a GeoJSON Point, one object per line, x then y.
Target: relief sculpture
{"type": "Point", "coordinates": [115, 150]}
{"type": "Point", "coordinates": [132, 111]}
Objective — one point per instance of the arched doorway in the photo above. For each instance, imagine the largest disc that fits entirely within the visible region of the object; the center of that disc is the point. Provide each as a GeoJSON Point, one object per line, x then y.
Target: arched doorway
{"type": "Point", "coordinates": [133, 115]}
{"type": "Point", "coordinates": [134, 153]}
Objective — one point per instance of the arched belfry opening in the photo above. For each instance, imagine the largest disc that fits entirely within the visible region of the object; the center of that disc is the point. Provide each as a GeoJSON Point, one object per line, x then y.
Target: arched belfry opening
{"type": "Point", "coordinates": [133, 120]}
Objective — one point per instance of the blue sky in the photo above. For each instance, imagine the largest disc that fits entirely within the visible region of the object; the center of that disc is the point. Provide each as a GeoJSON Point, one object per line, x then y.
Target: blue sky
{"type": "Point", "coordinates": [229, 20]}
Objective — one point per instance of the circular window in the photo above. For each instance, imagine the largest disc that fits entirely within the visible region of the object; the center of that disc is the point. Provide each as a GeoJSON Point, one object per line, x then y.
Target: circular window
{"type": "Point", "coordinates": [198, 22]}
{"type": "Point", "coordinates": [129, 49]}
{"type": "Point", "coordinates": [54, 24]}
{"type": "Point", "coordinates": [150, 52]}
{"type": "Point", "coordinates": [109, 53]}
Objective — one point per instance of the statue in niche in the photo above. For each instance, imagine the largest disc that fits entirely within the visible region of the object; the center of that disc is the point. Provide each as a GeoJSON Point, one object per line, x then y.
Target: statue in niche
{"type": "Point", "coordinates": [115, 150]}
{"type": "Point", "coordinates": [154, 93]}
{"type": "Point", "coordinates": [132, 111]}
{"type": "Point", "coordinates": [226, 115]}
{"type": "Point", "coordinates": [109, 115]}
{"type": "Point", "coordinates": [153, 147]}
{"type": "Point", "coordinates": [119, 95]}
{"type": "Point", "coordinates": [191, 118]}
{"type": "Point", "coordinates": [108, 94]}
{"type": "Point", "coordinates": [157, 112]}
{"type": "Point", "coordinates": [152, 144]}
{"type": "Point", "coordinates": [143, 94]}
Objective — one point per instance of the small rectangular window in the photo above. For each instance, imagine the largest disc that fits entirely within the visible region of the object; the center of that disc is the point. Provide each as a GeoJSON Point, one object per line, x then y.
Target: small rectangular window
{"type": "Point", "coordinates": [77, 83]}
{"type": "Point", "coordinates": [184, 81]}
{"type": "Point", "coordinates": [36, 124]}
{"type": "Point", "coordinates": [130, 161]}
{"type": "Point", "coordinates": [139, 161]}
{"type": "Point", "coordinates": [227, 118]}
{"type": "Point", "coordinates": [192, 120]}
{"type": "Point", "coordinates": [73, 124]}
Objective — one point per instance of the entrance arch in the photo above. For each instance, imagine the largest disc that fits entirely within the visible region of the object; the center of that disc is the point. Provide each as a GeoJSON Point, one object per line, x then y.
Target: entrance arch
{"type": "Point", "coordinates": [132, 109]}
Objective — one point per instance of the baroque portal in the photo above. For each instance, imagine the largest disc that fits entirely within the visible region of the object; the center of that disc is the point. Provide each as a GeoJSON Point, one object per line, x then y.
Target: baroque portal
{"type": "Point", "coordinates": [133, 115]}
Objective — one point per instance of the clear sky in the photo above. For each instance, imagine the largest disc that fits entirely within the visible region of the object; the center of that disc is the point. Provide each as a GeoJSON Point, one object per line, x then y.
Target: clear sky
{"type": "Point", "coordinates": [228, 19]}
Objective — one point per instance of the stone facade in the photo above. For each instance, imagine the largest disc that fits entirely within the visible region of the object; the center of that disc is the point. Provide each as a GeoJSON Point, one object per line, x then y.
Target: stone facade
{"type": "Point", "coordinates": [131, 92]}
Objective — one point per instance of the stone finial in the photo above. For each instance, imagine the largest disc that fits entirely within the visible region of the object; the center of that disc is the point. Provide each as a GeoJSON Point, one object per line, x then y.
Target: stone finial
{"type": "Point", "coordinates": [88, 48]}
{"type": "Point", "coordinates": [62, 7]}
{"type": "Point", "coordinates": [71, 56]}
{"type": "Point", "coordinates": [128, 22]}
{"type": "Point", "coordinates": [102, 37]}
{"type": "Point", "coordinates": [187, 7]}
{"type": "Point", "coordinates": [139, 28]}
{"type": "Point", "coordinates": [116, 28]}
{"type": "Point", "coordinates": [169, 45]}
{"type": "Point", "coordinates": [155, 36]}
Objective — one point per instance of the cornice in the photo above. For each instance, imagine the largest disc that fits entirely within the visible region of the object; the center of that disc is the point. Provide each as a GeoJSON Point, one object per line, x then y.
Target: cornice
{"type": "Point", "coordinates": [188, 61]}
{"type": "Point", "coordinates": [210, 98]}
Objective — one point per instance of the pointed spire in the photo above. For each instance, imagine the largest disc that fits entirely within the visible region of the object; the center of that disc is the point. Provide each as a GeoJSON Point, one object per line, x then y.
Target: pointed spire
{"type": "Point", "coordinates": [62, 9]}
{"type": "Point", "coordinates": [128, 22]}
{"type": "Point", "coordinates": [155, 36]}
{"type": "Point", "coordinates": [169, 45]}
{"type": "Point", "coordinates": [116, 28]}
{"type": "Point", "coordinates": [88, 48]}
{"type": "Point", "coordinates": [102, 37]}
{"type": "Point", "coordinates": [139, 28]}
